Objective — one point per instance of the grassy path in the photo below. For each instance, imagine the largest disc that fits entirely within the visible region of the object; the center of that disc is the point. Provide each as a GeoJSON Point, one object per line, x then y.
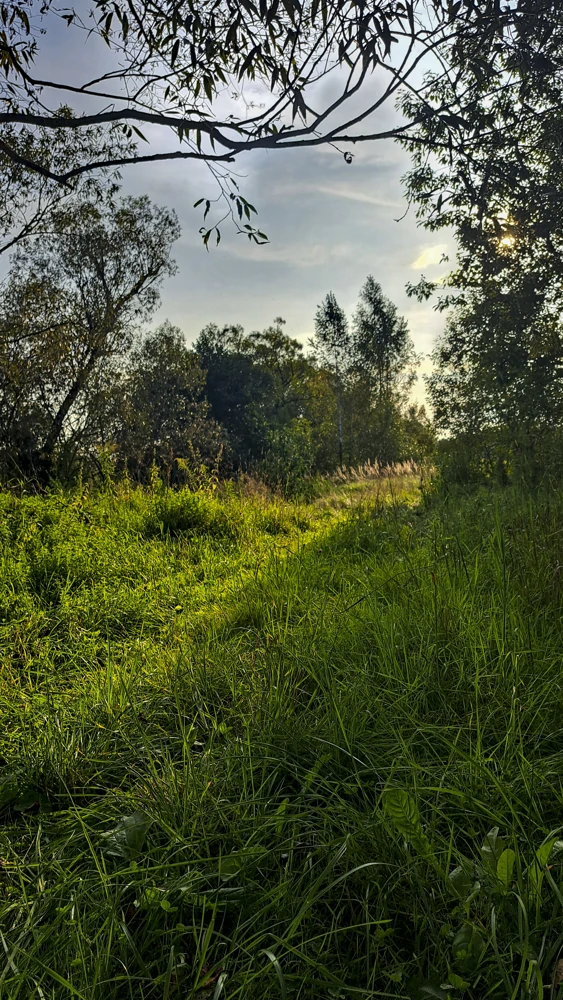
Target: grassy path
{"type": "Point", "coordinates": [254, 749]}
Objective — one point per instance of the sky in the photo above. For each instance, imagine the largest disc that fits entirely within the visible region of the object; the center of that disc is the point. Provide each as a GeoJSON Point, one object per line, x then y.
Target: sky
{"type": "Point", "coordinates": [330, 224]}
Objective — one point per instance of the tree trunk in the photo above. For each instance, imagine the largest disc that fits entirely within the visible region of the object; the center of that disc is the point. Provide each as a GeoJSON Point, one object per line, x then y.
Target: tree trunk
{"type": "Point", "coordinates": [50, 443]}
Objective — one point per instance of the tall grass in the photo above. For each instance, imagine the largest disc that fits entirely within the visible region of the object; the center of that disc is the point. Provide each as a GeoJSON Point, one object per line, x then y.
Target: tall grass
{"type": "Point", "coordinates": [258, 749]}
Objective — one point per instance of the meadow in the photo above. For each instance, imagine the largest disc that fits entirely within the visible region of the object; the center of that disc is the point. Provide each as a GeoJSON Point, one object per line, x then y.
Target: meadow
{"type": "Point", "coordinates": [260, 748]}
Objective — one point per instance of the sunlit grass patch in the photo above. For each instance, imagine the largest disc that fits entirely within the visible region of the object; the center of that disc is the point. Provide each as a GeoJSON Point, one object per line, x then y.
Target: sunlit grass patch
{"type": "Point", "coordinates": [272, 760]}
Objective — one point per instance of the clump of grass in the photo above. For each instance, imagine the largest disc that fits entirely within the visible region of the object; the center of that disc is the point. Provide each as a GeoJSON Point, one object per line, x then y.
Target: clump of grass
{"type": "Point", "coordinates": [314, 755]}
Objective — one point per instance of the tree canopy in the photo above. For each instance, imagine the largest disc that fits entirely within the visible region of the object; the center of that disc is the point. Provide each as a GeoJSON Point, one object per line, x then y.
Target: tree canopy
{"type": "Point", "coordinates": [219, 80]}
{"type": "Point", "coordinates": [70, 309]}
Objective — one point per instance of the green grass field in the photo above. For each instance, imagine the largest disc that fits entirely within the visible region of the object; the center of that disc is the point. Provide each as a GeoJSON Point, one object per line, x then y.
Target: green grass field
{"type": "Point", "coordinates": [260, 749]}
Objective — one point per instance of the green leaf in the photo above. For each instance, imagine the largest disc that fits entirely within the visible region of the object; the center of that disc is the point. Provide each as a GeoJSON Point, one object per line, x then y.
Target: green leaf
{"type": "Point", "coordinates": [544, 852]}
{"type": "Point", "coordinates": [536, 870]}
{"type": "Point", "coordinates": [280, 817]}
{"type": "Point", "coordinates": [461, 882]}
{"type": "Point", "coordinates": [396, 975]}
{"type": "Point", "coordinates": [457, 982]}
{"type": "Point", "coordinates": [9, 789]}
{"type": "Point", "coordinates": [505, 864]}
{"type": "Point", "coordinates": [491, 849]}
{"type": "Point", "coordinates": [229, 866]}
{"type": "Point", "coordinates": [467, 947]}
{"type": "Point", "coordinates": [420, 989]}
{"type": "Point", "coordinates": [278, 969]}
{"type": "Point", "coordinates": [27, 800]}
{"type": "Point", "coordinates": [403, 812]}
{"type": "Point", "coordinates": [127, 839]}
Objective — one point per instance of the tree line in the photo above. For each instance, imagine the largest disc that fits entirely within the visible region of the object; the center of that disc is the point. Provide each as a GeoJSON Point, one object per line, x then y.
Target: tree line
{"type": "Point", "coordinates": [82, 388]}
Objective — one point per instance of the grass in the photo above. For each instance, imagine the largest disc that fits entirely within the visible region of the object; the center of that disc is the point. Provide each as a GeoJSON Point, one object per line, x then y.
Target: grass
{"type": "Point", "coordinates": [260, 749]}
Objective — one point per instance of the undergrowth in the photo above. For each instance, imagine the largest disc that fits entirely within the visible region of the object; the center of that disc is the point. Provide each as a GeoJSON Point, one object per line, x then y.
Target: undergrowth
{"type": "Point", "coordinates": [259, 749]}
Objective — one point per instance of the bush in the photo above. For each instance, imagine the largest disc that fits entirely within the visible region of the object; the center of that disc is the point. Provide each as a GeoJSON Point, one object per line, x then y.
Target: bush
{"type": "Point", "coordinates": [290, 459]}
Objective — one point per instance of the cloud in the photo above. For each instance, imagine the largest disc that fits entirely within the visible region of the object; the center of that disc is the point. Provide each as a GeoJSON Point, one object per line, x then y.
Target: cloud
{"type": "Point", "coordinates": [354, 195]}
{"type": "Point", "coordinates": [429, 256]}
{"type": "Point", "coordinates": [335, 191]}
{"type": "Point", "coordinates": [292, 254]}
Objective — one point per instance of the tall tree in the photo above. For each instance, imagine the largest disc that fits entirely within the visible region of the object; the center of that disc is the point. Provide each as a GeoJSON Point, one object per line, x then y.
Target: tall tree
{"type": "Point", "coordinates": [498, 182]}
{"type": "Point", "coordinates": [69, 309]}
{"type": "Point", "coordinates": [498, 364]}
{"type": "Point", "coordinates": [332, 347]}
{"type": "Point", "coordinates": [235, 387]}
{"type": "Point", "coordinates": [383, 349]}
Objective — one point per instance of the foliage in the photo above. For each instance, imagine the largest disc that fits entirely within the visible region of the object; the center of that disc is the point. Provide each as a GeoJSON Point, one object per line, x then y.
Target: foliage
{"type": "Point", "coordinates": [220, 81]}
{"type": "Point", "coordinates": [257, 384]}
{"type": "Point", "coordinates": [373, 368]}
{"type": "Point", "coordinates": [84, 392]}
{"type": "Point", "coordinates": [290, 458]}
{"type": "Point", "coordinates": [311, 745]}
{"type": "Point", "coordinates": [497, 380]}
{"type": "Point", "coordinates": [503, 200]}
{"type": "Point", "coordinates": [332, 347]}
{"type": "Point", "coordinates": [70, 307]}
{"type": "Point", "coordinates": [29, 197]}
{"type": "Point", "coordinates": [383, 350]}
{"type": "Point", "coordinates": [498, 366]}
{"type": "Point", "coordinates": [163, 413]}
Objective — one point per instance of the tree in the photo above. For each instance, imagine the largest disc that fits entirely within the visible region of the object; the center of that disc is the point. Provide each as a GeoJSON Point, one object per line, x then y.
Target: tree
{"type": "Point", "coordinates": [383, 349]}
{"type": "Point", "coordinates": [497, 182]}
{"type": "Point", "coordinates": [498, 364]}
{"type": "Point", "coordinates": [69, 309]}
{"type": "Point", "coordinates": [29, 197]}
{"type": "Point", "coordinates": [255, 383]}
{"type": "Point", "coordinates": [498, 376]}
{"type": "Point", "coordinates": [235, 387]}
{"type": "Point", "coordinates": [166, 415]}
{"type": "Point", "coordinates": [331, 344]}
{"type": "Point", "coordinates": [184, 69]}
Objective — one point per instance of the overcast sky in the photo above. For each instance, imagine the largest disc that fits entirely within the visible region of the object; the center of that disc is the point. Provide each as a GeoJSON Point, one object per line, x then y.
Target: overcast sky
{"type": "Point", "coordinates": [330, 224]}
